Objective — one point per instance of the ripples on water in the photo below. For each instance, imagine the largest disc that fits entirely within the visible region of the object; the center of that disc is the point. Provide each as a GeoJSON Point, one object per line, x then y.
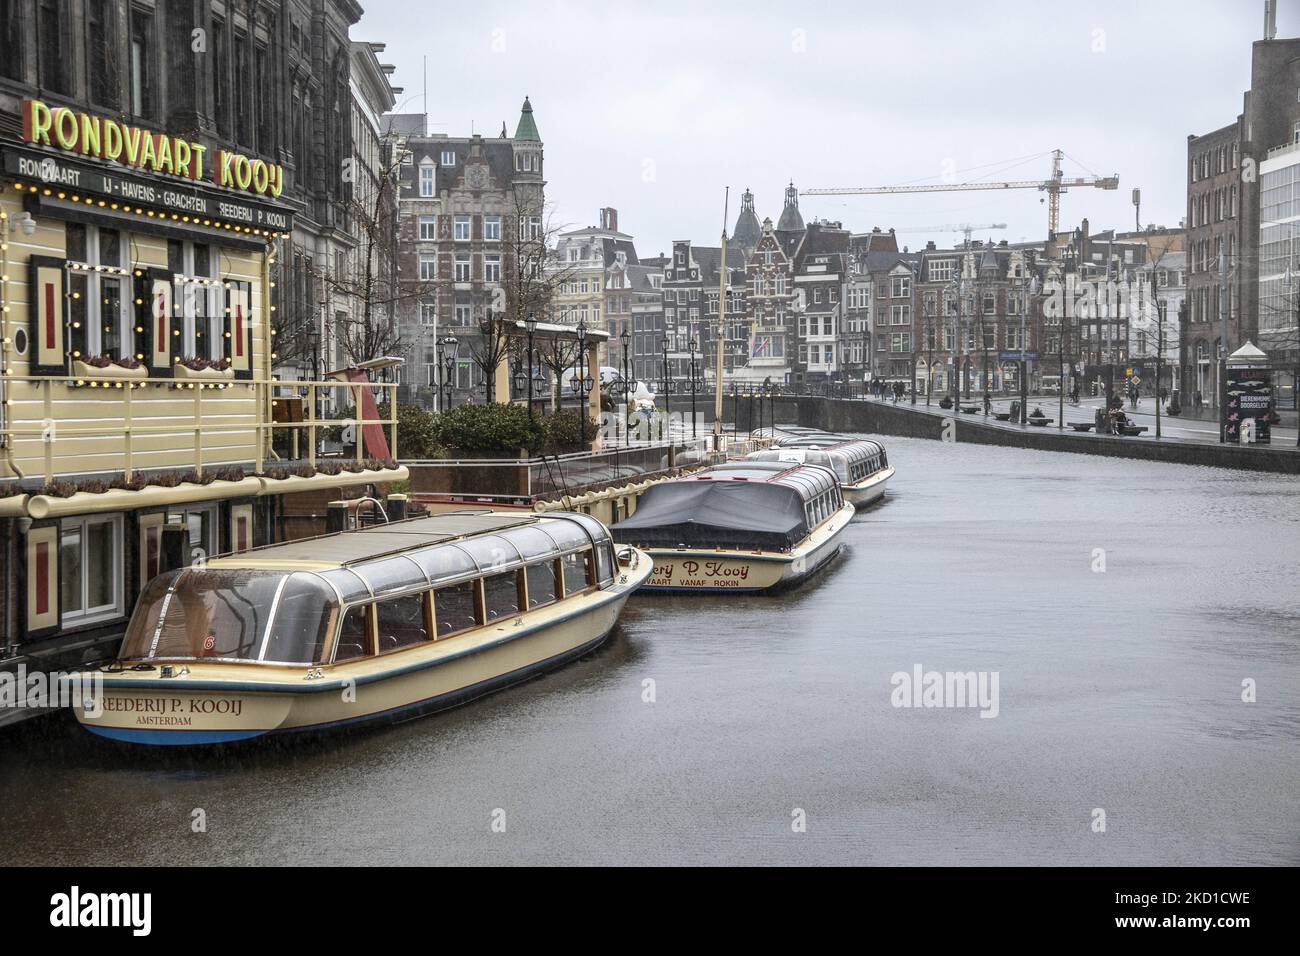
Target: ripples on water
{"type": "Point", "coordinates": [1119, 690]}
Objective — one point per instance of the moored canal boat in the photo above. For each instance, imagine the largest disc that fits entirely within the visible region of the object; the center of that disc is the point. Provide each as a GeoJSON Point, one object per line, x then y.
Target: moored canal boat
{"type": "Point", "coordinates": [860, 464]}
{"type": "Point", "coordinates": [362, 626]}
{"type": "Point", "coordinates": [741, 526]}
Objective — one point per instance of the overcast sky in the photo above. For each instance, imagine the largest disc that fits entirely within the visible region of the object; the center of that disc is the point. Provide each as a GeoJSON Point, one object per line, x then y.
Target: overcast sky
{"type": "Point", "coordinates": [653, 108]}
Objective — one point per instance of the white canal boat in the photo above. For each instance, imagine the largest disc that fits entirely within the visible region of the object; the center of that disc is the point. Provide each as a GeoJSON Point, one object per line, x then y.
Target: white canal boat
{"type": "Point", "coordinates": [365, 626]}
{"type": "Point", "coordinates": [742, 526]}
{"type": "Point", "coordinates": [860, 464]}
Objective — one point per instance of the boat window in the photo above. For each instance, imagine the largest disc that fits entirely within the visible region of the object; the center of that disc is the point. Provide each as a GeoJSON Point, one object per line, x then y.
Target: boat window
{"type": "Point", "coordinates": [140, 631]}
{"type": "Point", "coordinates": [501, 595]}
{"type": "Point", "coordinates": [456, 608]}
{"type": "Point", "coordinates": [350, 587]}
{"type": "Point", "coordinates": [354, 635]}
{"type": "Point", "coordinates": [567, 535]}
{"type": "Point", "coordinates": [594, 528]}
{"type": "Point", "coordinates": [532, 542]}
{"type": "Point", "coordinates": [391, 574]}
{"type": "Point", "coordinates": [604, 563]}
{"type": "Point", "coordinates": [304, 620]}
{"type": "Point", "coordinates": [491, 552]}
{"type": "Point", "coordinates": [577, 571]}
{"type": "Point", "coordinates": [543, 587]}
{"type": "Point", "coordinates": [444, 562]}
{"type": "Point", "coordinates": [400, 622]}
{"type": "Point", "coordinates": [205, 613]}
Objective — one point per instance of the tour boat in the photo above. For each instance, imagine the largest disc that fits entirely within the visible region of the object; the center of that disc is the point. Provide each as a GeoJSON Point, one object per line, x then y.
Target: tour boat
{"type": "Point", "coordinates": [741, 526]}
{"type": "Point", "coordinates": [375, 625]}
{"type": "Point", "coordinates": [859, 463]}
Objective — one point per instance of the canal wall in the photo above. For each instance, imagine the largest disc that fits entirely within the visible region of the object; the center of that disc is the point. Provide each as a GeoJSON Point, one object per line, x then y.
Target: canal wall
{"type": "Point", "coordinates": [904, 419]}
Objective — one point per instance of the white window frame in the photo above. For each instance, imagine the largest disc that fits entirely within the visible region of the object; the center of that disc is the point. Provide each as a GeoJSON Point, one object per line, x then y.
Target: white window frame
{"type": "Point", "coordinates": [492, 228]}
{"type": "Point", "coordinates": [106, 612]}
{"type": "Point", "coordinates": [427, 173]}
{"type": "Point", "coordinates": [463, 274]}
{"type": "Point", "coordinates": [187, 287]}
{"type": "Point", "coordinates": [448, 157]}
{"type": "Point", "coordinates": [492, 268]}
{"type": "Point", "coordinates": [431, 273]}
{"type": "Point", "coordinates": [96, 270]}
{"type": "Point", "coordinates": [462, 229]}
{"type": "Point", "coordinates": [431, 232]}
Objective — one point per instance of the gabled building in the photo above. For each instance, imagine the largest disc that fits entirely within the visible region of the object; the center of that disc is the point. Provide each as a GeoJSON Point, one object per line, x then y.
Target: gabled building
{"type": "Point", "coordinates": [821, 266]}
{"type": "Point", "coordinates": [770, 300]}
{"type": "Point", "coordinates": [470, 210]}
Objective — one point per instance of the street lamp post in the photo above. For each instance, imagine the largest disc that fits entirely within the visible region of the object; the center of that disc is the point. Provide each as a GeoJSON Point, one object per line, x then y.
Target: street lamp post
{"type": "Point", "coordinates": [771, 402]}
{"type": "Point", "coordinates": [530, 325]}
{"type": "Point", "coordinates": [693, 386]}
{"type": "Point", "coordinates": [1161, 305]}
{"type": "Point", "coordinates": [1292, 279]}
{"type": "Point", "coordinates": [627, 385]}
{"type": "Point", "coordinates": [581, 381]}
{"type": "Point", "coordinates": [667, 382]}
{"type": "Point", "coordinates": [1024, 361]}
{"type": "Point", "coordinates": [447, 363]}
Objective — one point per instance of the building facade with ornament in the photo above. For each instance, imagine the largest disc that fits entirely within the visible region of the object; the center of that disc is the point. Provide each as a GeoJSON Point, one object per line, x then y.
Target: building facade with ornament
{"type": "Point", "coordinates": [144, 217]}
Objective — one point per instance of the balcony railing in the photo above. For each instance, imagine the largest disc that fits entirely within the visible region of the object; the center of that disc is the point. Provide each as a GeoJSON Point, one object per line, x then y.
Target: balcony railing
{"type": "Point", "coordinates": [61, 425]}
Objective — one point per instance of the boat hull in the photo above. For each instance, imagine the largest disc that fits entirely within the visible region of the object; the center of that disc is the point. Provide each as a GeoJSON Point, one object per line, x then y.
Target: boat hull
{"type": "Point", "coordinates": [198, 710]}
{"type": "Point", "coordinates": [704, 570]}
{"type": "Point", "coordinates": [868, 491]}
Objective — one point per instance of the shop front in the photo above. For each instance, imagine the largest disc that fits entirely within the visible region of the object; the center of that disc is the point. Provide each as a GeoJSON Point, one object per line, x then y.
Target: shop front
{"type": "Point", "coordinates": [135, 350]}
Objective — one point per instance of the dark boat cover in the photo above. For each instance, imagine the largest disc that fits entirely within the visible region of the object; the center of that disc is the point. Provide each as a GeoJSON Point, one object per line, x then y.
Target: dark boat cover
{"type": "Point", "coordinates": [749, 505]}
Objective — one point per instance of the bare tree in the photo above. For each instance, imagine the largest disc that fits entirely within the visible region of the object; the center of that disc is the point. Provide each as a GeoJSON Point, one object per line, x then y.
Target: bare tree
{"type": "Point", "coordinates": [530, 279]}
{"type": "Point", "coordinates": [368, 288]}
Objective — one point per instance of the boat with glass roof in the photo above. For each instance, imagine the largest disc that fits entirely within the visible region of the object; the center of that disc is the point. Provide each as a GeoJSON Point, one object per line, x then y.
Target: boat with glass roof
{"type": "Point", "coordinates": [374, 625]}
{"type": "Point", "coordinates": [739, 526]}
{"type": "Point", "coordinates": [860, 464]}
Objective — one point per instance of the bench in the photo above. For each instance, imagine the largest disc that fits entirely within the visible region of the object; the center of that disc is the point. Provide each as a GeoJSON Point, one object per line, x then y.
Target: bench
{"type": "Point", "coordinates": [970, 409]}
{"type": "Point", "coordinates": [1082, 426]}
{"type": "Point", "coordinates": [1039, 421]}
{"type": "Point", "coordinates": [1002, 416]}
{"type": "Point", "coordinates": [1132, 429]}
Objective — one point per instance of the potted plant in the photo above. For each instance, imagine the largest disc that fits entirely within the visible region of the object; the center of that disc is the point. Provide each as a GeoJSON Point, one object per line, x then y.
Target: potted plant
{"type": "Point", "coordinates": [204, 369]}
{"type": "Point", "coordinates": [98, 367]}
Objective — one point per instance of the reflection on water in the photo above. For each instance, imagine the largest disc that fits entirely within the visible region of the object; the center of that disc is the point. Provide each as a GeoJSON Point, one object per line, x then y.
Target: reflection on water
{"type": "Point", "coordinates": [1119, 689]}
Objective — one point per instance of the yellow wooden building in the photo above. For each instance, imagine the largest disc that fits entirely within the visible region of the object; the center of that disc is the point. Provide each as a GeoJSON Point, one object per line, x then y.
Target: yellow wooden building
{"type": "Point", "coordinates": [139, 421]}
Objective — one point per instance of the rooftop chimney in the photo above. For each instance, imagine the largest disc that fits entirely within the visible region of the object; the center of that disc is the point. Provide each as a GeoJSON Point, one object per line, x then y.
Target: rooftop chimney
{"type": "Point", "coordinates": [609, 219]}
{"type": "Point", "coordinates": [1270, 19]}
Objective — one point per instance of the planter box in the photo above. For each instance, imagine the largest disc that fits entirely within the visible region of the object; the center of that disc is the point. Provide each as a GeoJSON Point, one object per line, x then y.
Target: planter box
{"type": "Point", "coordinates": [296, 483]}
{"type": "Point", "coordinates": [81, 369]}
{"type": "Point", "coordinates": [122, 499]}
{"type": "Point", "coordinates": [183, 373]}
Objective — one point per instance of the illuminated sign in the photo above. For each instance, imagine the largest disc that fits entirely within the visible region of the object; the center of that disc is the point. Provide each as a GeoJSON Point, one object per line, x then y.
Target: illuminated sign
{"type": "Point", "coordinates": [192, 203]}
{"type": "Point", "coordinates": [132, 146]}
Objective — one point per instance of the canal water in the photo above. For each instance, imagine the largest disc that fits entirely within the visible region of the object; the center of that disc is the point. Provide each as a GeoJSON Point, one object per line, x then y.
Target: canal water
{"type": "Point", "coordinates": [1124, 607]}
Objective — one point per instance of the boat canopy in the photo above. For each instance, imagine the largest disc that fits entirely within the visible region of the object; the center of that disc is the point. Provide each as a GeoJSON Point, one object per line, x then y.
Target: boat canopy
{"type": "Point", "coordinates": [852, 460]}
{"type": "Point", "coordinates": [757, 505]}
{"type": "Point", "coordinates": [256, 606]}
{"type": "Point", "coordinates": [810, 438]}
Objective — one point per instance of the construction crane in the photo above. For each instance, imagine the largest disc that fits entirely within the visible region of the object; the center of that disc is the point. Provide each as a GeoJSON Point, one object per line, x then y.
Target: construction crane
{"type": "Point", "coordinates": [965, 228]}
{"type": "Point", "coordinates": [1054, 185]}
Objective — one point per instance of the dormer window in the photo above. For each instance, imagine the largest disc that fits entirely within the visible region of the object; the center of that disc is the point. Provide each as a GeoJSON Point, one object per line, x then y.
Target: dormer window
{"type": "Point", "coordinates": [427, 170]}
{"type": "Point", "coordinates": [448, 158]}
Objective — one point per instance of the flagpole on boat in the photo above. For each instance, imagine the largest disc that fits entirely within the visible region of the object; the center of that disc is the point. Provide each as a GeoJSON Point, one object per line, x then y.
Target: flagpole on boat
{"type": "Point", "coordinates": [722, 316]}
